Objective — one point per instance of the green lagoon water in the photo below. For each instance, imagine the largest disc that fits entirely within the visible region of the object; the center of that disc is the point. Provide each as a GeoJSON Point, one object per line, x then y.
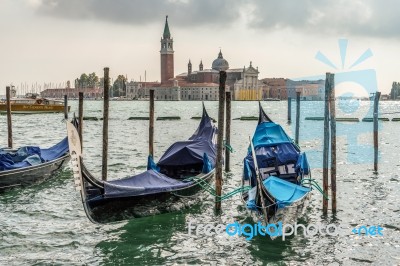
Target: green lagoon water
{"type": "Point", "coordinates": [45, 224]}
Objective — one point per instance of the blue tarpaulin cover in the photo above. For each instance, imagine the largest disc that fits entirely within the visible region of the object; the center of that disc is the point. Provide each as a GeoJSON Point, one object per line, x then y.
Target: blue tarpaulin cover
{"type": "Point", "coordinates": [269, 133]}
{"type": "Point", "coordinates": [199, 149]}
{"type": "Point", "coordinates": [284, 192]}
{"type": "Point", "coordinates": [192, 151]}
{"type": "Point", "coordinates": [149, 182]}
{"type": "Point", "coordinates": [274, 148]}
{"type": "Point", "coordinates": [302, 164]}
{"type": "Point", "coordinates": [31, 155]}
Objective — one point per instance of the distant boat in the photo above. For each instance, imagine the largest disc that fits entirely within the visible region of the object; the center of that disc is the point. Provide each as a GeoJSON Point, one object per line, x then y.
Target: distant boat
{"type": "Point", "coordinates": [272, 99]}
{"type": "Point", "coordinates": [33, 105]}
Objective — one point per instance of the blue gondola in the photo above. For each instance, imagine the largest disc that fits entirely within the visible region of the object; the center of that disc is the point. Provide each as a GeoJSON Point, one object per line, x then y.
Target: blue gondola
{"type": "Point", "coordinates": [277, 191]}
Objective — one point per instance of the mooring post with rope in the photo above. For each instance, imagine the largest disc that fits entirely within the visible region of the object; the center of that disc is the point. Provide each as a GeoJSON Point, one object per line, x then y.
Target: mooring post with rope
{"type": "Point", "coordinates": [9, 121]}
{"type": "Point", "coordinates": [289, 110]}
{"type": "Point", "coordinates": [80, 111]}
{"type": "Point", "coordinates": [105, 122]}
{"type": "Point", "coordinates": [326, 145]}
{"type": "Point", "coordinates": [297, 117]}
{"type": "Point", "coordinates": [376, 108]}
{"type": "Point", "coordinates": [66, 106]}
{"type": "Point", "coordinates": [151, 124]}
{"type": "Point", "coordinates": [333, 139]}
{"type": "Point", "coordinates": [228, 132]}
{"type": "Point", "coordinates": [220, 139]}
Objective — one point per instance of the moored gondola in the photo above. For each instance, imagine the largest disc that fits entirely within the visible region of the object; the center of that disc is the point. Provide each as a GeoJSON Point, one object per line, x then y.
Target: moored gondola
{"type": "Point", "coordinates": [174, 177]}
{"type": "Point", "coordinates": [277, 171]}
{"type": "Point", "coordinates": [29, 164]}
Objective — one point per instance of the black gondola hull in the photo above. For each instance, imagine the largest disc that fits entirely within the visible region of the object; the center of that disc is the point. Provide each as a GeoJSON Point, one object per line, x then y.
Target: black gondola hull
{"type": "Point", "coordinates": [104, 210]}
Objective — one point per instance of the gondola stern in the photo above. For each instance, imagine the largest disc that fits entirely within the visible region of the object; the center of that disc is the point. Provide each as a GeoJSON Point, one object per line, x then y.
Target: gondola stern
{"type": "Point", "coordinates": [262, 116]}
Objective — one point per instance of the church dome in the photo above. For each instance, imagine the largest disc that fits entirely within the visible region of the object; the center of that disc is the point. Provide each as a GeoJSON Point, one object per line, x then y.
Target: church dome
{"type": "Point", "coordinates": [220, 64]}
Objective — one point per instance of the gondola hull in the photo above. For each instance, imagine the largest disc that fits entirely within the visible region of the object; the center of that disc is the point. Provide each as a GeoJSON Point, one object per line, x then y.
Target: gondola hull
{"type": "Point", "coordinates": [28, 175]}
{"type": "Point", "coordinates": [287, 215]}
{"type": "Point", "coordinates": [170, 185]}
{"type": "Point", "coordinates": [100, 209]}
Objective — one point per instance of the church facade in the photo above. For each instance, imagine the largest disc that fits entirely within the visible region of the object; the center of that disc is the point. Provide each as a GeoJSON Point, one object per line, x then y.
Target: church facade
{"type": "Point", "coordinates": [200, 84]}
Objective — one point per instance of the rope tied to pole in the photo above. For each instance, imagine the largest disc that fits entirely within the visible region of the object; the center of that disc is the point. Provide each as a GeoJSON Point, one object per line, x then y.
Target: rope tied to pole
{"type": "Point", "coordinates": [313, 183]}
{"type": "Point", "coordinates": [211, 190]}
{"type": "Point", "coordinates": [228, 147]}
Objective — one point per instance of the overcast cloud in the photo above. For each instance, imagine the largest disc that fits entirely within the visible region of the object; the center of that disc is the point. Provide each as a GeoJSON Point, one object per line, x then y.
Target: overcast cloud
{"type": "Point", "coordinates": [140, 12]}
{"type": "Point", "coordinates": [365, 18]}
{"type": "Point", "coordinates": [58, 40]}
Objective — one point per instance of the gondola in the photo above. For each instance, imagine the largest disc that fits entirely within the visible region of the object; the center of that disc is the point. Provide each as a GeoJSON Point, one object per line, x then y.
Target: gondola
{"type": "Point", "coordinates": [277, 172]}
{"type": "Point", "coordinates": [28, 164]}
{"type": "Point", "coordinates": [175, 177]}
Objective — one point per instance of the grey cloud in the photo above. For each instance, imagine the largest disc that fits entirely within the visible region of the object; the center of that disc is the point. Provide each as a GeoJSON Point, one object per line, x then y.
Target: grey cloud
{"type": "Point", "coordinates": [367, 17]}
{"type": "Point", "coordinates": [183, 12]}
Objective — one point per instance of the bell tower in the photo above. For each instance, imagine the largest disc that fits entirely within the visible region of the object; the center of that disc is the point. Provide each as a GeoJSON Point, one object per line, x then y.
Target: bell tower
{"type": "Point", "coordinates": [189, 68]}
{"type": "Point", "coordinates": [167, 54]}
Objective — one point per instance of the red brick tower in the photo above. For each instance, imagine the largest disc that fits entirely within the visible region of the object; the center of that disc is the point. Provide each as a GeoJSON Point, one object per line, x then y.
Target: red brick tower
{"type": "Point", "coordinates": [167, 55]}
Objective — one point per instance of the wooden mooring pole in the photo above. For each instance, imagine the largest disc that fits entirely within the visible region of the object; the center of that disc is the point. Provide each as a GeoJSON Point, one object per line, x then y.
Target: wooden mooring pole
{"type": "Point", "coordinates": [105, 122]}
{"type": "Point", "coordinates": [66, 106]}
{"type": "Point", "coordinates": [326, 145]}
{"type": "Point", "coordinates": [220, 139]}
{"type": "Point", "coordinates": [9, 121]}
{"type": "Point", "coordinates": [333, 139]}
{"type": "Point", "coordinates": [289, 109]}
{"type": "Point", "coordinates": [80, 110]}
{"type": "Point", "coordinates": [297, 117]}
{"type": "Point", "coordinates": [376, 108]}
{"type": "Point", "coordinates": [228, 132]}
{"type": "Point", "coordinates": [151, 124]}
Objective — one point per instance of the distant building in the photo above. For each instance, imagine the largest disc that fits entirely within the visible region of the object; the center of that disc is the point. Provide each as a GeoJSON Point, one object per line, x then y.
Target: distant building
{"type": "Point", "coordinates": [72, 93]}
{"type": "Point", "coordinates": [281, 88]}
{"type": "Point", "coordinates": [202, 84]}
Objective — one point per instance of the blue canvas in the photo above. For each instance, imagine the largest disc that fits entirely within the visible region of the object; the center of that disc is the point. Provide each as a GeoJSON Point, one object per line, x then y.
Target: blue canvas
{"type": "Point", "coordinates": [31, 155]}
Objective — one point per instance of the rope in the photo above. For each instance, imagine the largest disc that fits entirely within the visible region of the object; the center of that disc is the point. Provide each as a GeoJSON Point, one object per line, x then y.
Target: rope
{"type": "Point", "coordinates": [314, 183]}
{"type": "Point", "coordinates": [211, 190]}
{"type": "Point", "coordinates": [228, 147]}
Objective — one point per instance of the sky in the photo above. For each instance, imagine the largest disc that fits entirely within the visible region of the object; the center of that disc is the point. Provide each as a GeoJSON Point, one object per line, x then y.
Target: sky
{"type": "Point", "coordinates": [45, 41]}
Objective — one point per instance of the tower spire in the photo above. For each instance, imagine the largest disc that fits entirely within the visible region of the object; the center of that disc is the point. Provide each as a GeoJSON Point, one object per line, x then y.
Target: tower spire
{"type": "Point", "coordinates": [167, 54]}
{"type": "Point", "coordinates": [166, 34]}
{"type": "Point", "coordinates": [220, 54]}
